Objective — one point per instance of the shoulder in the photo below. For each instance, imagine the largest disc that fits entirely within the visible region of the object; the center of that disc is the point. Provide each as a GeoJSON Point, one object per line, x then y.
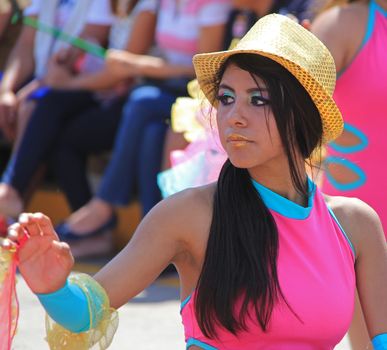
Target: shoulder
{"type": "Point", "coordinates": [359, 221]}
{"type": "Point", "coordinates": [339, 16]}
{"type": "Point", "coordinates": [186, 213]}
{"type": "Point", "coordinates": [342, 29]}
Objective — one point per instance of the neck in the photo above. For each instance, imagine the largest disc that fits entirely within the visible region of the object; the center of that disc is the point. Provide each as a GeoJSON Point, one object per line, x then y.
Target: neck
{"type": "Point", "coordinates": [278, 179]}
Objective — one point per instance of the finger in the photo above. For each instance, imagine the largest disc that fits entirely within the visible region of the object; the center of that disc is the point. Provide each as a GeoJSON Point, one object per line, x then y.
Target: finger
{"type": "Point", "coordinates": [26, 220]}
{"type": "Point", "coordinates": [45, 225]}
{"type": "Point", "coordinates": [17, 234]}
{"type": "Point", "coordinates": [306, 24]}
{"type": "Point", "coordinates": [7, 244]}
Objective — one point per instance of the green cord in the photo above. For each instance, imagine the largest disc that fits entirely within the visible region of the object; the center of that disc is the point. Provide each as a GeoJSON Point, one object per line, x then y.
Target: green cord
{"type": "Point", "coordinates": [15, 18]}
{"type": "Point", "coordinates": [80, 43]}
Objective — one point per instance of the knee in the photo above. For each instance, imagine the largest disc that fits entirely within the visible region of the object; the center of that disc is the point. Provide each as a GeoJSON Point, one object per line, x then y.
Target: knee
{"type": "Point", "coordinates": [25, 110]}
{"type": "Point", "coordinates": [141, 101]}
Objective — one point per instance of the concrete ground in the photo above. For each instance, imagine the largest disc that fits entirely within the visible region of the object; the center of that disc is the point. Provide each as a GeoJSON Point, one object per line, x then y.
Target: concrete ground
{"type": "Point", "coordinates": [149, 321]}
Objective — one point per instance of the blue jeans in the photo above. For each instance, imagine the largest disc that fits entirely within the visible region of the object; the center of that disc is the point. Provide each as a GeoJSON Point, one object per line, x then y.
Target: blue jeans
{"type": "Point", "coordinates": [64, 129]}
{"type": "Point", "coordinates": [51, 114]}
{"type": "Point", "coordinates": [137, 154]}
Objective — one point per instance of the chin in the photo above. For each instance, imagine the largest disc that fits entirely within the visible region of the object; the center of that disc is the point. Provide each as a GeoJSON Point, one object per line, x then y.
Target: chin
{"type": "Point", "coordinates": [243, 163]}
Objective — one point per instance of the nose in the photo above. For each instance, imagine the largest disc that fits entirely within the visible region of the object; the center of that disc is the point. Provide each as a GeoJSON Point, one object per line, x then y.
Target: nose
{"type": "Point", "coordinates": [236, 116]}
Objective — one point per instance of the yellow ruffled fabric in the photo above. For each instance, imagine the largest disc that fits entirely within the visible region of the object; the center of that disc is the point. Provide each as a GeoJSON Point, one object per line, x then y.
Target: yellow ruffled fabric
{"type": "Point", "coordinates": [99, 336]}
{"type": "Point", "coordinates": [184, 113]}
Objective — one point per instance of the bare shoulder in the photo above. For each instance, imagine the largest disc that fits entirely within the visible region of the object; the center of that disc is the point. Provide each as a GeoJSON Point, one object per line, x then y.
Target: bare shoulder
{"type": "Point", "coordinates": [342, 29]}
{"type": "Point", "coordinates": [342, 15]}
{"type": "Point", "coordinates": [359, 221]}
{"type": "Point", "coordinates": [186, 213]}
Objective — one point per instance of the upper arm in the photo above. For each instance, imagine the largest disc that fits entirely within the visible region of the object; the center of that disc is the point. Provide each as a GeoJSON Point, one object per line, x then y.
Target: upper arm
{"type": "Point", "coordinates": [365, 229]}
{"type": "Point", "coordinates": [371, 271]}
{"type": "Point", "coordinates": [143, 32]}
{"type": "Point", "coordinates": [212, 19]}
{"type": "Point", "coordinates": [211, 38]}
{"type": "Point", "coordinates": [96, 32]}
{"type": "Point", "coordinates": [328, 27]}
{"type": "Point", "coordinates": [26, 40]}
{"type": "Point", "coordinates": [160, 239]}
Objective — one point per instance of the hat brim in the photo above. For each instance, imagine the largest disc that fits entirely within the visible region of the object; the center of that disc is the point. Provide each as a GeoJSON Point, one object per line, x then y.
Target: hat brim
{"type": "Point", "coordinates": [207, 66]}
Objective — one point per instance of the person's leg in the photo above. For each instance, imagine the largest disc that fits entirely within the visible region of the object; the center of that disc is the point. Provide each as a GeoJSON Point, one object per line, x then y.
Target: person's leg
{"type": "Point", "coordinates": [146, 104]}
{"type": "Point", "coordinates": [89, 133]}
{"type": "Point", "coordinates": [150, 165]}
{"type": "Point", "coordinates": [25, 111]}
{"type": "Point", "coordinates": [40, 134]}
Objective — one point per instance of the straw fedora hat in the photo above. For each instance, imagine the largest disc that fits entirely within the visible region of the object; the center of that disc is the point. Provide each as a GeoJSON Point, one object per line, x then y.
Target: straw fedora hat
{"type": "Point", "coordinates": [295, 48]}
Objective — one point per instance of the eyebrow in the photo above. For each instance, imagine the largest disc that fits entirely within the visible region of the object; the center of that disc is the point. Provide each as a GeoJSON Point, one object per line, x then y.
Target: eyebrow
{"type": "Point", "coordinates": [225, 86]}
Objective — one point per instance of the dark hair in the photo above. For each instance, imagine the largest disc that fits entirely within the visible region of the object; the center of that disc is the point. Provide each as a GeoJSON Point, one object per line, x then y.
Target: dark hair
{"type": "Point", "coordinates": [242, 249]}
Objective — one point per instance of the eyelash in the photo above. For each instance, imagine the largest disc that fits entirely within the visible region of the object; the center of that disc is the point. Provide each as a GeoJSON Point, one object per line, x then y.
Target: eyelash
{"type": "Point", "coordinates": [261, 101]}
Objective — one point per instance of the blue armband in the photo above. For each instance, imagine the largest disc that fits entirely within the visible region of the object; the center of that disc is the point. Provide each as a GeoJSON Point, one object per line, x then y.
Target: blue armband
{"type": "Point", "coordinates": [380, 342]}
{"type": "Point", "coordinates": [70, 307]}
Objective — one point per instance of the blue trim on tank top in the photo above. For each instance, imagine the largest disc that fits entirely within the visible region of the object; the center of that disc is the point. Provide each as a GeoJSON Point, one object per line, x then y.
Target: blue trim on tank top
{"type": "Point", "coordinates": [185, 302]}
{"type": "Point", "coordinates": [284, 206]}
{"type": "Point", "coordinates": [204, 346]}
{"type": "Point", "coordinates": [373, 8]}
{"type": "Point", "coordinates": [343, 232]}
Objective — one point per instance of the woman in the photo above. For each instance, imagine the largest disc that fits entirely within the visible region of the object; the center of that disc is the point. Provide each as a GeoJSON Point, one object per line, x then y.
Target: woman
{"type": "Point", "coordinates": [263, 261]}
{"type": "Point", "coordinates": [356, 34]}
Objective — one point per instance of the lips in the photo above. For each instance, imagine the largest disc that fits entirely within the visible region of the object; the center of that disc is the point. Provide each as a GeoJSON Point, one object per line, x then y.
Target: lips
{"type": "Point", "coordinates": [237, 139]}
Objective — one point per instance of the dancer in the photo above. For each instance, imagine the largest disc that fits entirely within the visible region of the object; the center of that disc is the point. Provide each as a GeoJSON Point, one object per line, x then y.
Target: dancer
{"type": "Point", "coordinates": [262, 259]}
{"type": "Point", "coordinates": [353, 165]}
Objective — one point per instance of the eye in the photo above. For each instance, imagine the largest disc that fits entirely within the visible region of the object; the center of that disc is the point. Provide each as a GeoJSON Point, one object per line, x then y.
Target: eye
{"type": "Point", "coordinates": [225, 99]}
{"type": "Point", "coordinates": [258, 100]}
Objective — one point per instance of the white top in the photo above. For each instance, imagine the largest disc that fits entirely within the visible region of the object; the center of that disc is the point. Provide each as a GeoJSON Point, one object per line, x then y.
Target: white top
{"type": "Point", "coordinates": [98, 13]}
{"type": "Point", "coordinates": [179, 25]}
{"type": "Point", "coordinates": [122, 26]}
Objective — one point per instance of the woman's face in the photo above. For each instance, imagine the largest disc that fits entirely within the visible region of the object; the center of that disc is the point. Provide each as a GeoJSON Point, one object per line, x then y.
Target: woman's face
{"type": "Point", "coordinates": [247, 126]}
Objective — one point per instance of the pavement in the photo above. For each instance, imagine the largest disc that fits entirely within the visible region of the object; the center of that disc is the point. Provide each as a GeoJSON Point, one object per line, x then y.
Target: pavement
{"type": "Point", "coordinates": [149, 321]}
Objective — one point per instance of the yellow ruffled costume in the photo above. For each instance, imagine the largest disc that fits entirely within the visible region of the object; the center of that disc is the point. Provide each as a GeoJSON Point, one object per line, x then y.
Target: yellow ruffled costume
{"type": "Point", "coordinates": [99, 336]}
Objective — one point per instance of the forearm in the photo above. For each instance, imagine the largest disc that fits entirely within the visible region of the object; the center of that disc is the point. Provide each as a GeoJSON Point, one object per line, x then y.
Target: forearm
{"type": "Point", "coordinates": [155, 67]}
{"type": "Point", "coordinates": [80, 305]}
{"type": "Point", "coordinates": [20, 67]}
{"type": "Point", "coordinates": [97, 81]}
{"type": "Point", "coordinates": [68, 306]}
{"type": "Point", "coordinates": [4, 22]}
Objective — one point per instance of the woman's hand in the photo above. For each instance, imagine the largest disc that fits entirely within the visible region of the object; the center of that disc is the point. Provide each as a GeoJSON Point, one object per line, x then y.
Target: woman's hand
{"type": "Point", "coordinates": [57, 76]}
{"type": "Point", "coordinates": [44, 262]}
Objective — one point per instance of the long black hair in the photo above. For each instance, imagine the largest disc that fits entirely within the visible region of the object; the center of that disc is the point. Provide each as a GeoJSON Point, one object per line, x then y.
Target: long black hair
{"type": "Point", "coordinates": [242, 250]}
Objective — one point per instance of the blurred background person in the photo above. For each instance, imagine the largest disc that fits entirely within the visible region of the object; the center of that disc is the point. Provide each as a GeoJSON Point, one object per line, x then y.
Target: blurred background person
{"type": "Point", "coordinates": [183, 29]}
{"type": "Point", "coordinates": [356, 34]}
{"type": "Point", "coordinates": [10, 26]}
{"type": "Point", "coordinates": [35, 52]}
{"type": "Point", "coordinates": [88, 103]}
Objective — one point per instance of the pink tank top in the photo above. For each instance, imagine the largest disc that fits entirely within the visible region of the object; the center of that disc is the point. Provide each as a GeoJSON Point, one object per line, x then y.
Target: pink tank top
{"type": "Point", "coordinates": [357, 167]}
{"type": "Point", "coordinates": [316, 273]}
